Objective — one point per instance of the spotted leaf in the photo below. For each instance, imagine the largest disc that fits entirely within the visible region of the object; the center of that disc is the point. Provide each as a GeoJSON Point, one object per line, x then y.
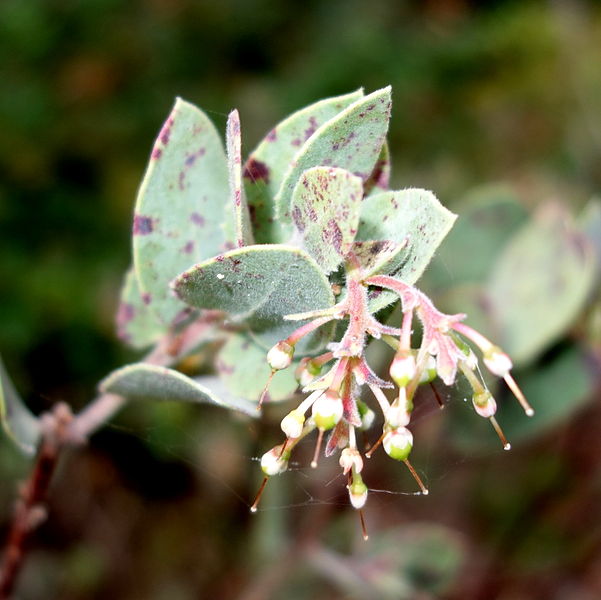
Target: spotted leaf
{"type": "Point", "coordinates": [540, 283]}
{"type": "Point", "coordinates": [266, 166]}
{"type": "Point", "coordinates": [352, 140]}
{"type": "Point", "coordinates": [181, 205]}
{"type": "Point", "coordinates": [413, 218]}
{"type": "Point", "coordinates": [260, 284]}
{"type": "Point", "coordinates": [242, 232]}
{"type": "Point", "coordinates": [141, 381]}
{"type": "Point", "coordinates": [325, 212]}
{"type": "Point", "coordinates": [137, 325]}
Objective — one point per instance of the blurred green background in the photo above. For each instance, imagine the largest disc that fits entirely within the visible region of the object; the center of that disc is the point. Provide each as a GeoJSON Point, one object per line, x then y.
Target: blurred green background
{"type": "Point", "coordinates": [497, 109]}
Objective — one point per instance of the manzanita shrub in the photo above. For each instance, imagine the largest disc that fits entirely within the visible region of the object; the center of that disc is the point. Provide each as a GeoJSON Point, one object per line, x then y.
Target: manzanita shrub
{"type": "Point", "coordinates": [288, 263]}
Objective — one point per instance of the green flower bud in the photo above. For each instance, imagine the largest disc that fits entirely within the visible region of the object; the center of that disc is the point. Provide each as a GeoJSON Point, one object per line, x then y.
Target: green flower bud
{"type": "Point", "coordinates": [327, 410]}
{"type": "Point", "coordinates": [398, 443]}
{"type": "Point", "coordinates": [292, 423]}
{"type": "Point", "coordinates": [402, 368]}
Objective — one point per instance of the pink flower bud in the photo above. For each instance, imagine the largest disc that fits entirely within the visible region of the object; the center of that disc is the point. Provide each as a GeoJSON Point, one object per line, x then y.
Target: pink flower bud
{"type": "Point", "coordinates": [497, 362]}
{"type": "Point", "coordinates": [484, 404]}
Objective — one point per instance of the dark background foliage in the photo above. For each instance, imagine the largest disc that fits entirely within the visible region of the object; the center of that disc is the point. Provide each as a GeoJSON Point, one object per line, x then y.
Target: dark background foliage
{"type": "Point", "coordinates": [156, 507]}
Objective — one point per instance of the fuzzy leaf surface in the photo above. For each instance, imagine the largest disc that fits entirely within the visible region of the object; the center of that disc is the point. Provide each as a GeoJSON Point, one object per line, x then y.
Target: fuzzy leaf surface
{"type": "Point", "coordinates": [413, 218]}
{"type": "Point", "coordinates": [262, 284]}
{"type": "Point", "coordinates": [380, 176]}
{"type": "Point", "coordinates": [540, 283]}
{"type": "Point", "coordinates": [243, 233]}
{"type": "Point", "coordinates": [266, 166]}
{"type": "Point", "coordinates": [181, 205]}
{"type": "Point", "coordinates": [325, 212]}
{"type": "Point", "coordinates": [352, 140]}
{"type": "Point", "coordinates": [243, 368]}
{"type": "Point", "coordinates": [17, 420]}
{"type": "Point", "coordinates": [141, 381]}
{"type": "Point", "coordinates": [137, 325]}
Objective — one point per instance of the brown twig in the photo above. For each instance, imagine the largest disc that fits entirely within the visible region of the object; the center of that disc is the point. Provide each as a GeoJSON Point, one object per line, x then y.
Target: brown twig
{"type": "Point", "coordinates": [30, 509]}
{"type": "Point", "coordinates": [59, 429]}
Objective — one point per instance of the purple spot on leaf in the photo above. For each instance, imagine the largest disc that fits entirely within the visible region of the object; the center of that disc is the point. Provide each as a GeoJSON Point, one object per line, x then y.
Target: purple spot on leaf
{"type": "Point", "coordinates": [166, 131]}
{"type": "Point", "coordinates": [125, 314]}
{"type": "Point", "coordinates": [142, 225]}
{"type": "Point", "coordinates": [191, 158]}
{"type": "Point", "coordinates": [197, 219]}
{"type": "Point", "coordinates": [188, 248]}
{"type": "Point", "coordinates": [272, 136]}
{"type": "Point", "coordinates": [313, 125]}
{"type": "Point", "coordinates": [156, 154]}
{"type": "Point", "coordinates": [146, 298]}
{"type": "Point", "coordinates": [297, 217]}
{"type": "Point", "coordinates": [255, 170]}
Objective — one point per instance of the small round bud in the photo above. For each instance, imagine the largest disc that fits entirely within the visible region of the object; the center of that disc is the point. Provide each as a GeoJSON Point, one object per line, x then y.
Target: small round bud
{"type": "Point", "coordinates": [292, 423]}
{"type": "Point", "coordinates": [367, 415]}
{"type": "Point", "coordinates": [275, 461]}
{"type": "Point", "coordinates": [307, 371]}
{"type": "Point", "coordinates": [402, 368]}
{"type": "Point", "coordinates": [484, 404]}
{"type": "Point", "coordinates": [351, 459]}
{"type": "Point", "coordinates": [357, 491]}
{"type": "Point", "coordinates": [497, 362]}
{"type": "Point", "coordinates": [398, 443]}
{"type": "Point", "coordinates": [327, 410]}
{"type": "Point", "coordinates": [429, 372]}
{"type": "Point", "coordinates": [280, 356]}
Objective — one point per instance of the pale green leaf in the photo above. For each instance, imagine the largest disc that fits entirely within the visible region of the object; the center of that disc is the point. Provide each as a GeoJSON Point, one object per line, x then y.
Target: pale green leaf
{"type": "Point", "coordinates": [352, 140]}
{"type": "Point", "coordinates": [261, 284]}
{"type": "Point", "coordinates": [589, 222]}
{"type": "Point", "coordinates": [413, 218]}
{"type": "Point", "coordinates": [266, 166]}
{"type": "Point", "coordinates": [325, 211]}
{"type": "Point", "coordinates": [243, 368]}
{"type": "Point", "coordinates": [17, 420]}
{"type": "Point", "coordinates": [540, 283]}
{"type": "Point", "coordinates": [137, 325]}
{"type": "Point", "coordinates": [241, 222]}
{"type": "Point", "coordinates": [488, 217]}
{"type": "Point", "coordinates": [181, 205]}
{"type": "Point", "coordinates": [142, 381]}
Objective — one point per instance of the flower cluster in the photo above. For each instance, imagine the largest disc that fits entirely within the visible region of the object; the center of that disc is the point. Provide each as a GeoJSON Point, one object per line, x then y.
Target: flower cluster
{"type": "Point", "coordinates": [333, 402]}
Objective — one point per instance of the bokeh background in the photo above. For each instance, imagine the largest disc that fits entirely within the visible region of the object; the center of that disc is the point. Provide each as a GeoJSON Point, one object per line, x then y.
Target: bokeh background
{"type": "Point", "coordinates": [497, 108]}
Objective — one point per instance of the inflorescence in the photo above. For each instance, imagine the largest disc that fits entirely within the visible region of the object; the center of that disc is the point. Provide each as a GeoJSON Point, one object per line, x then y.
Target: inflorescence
{"type": "Point", "coordinates": [333, 402]}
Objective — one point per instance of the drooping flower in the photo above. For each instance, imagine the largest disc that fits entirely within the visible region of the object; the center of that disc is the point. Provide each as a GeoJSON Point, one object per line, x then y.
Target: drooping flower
{"type": "Point", "coordinates": [334, 392]}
